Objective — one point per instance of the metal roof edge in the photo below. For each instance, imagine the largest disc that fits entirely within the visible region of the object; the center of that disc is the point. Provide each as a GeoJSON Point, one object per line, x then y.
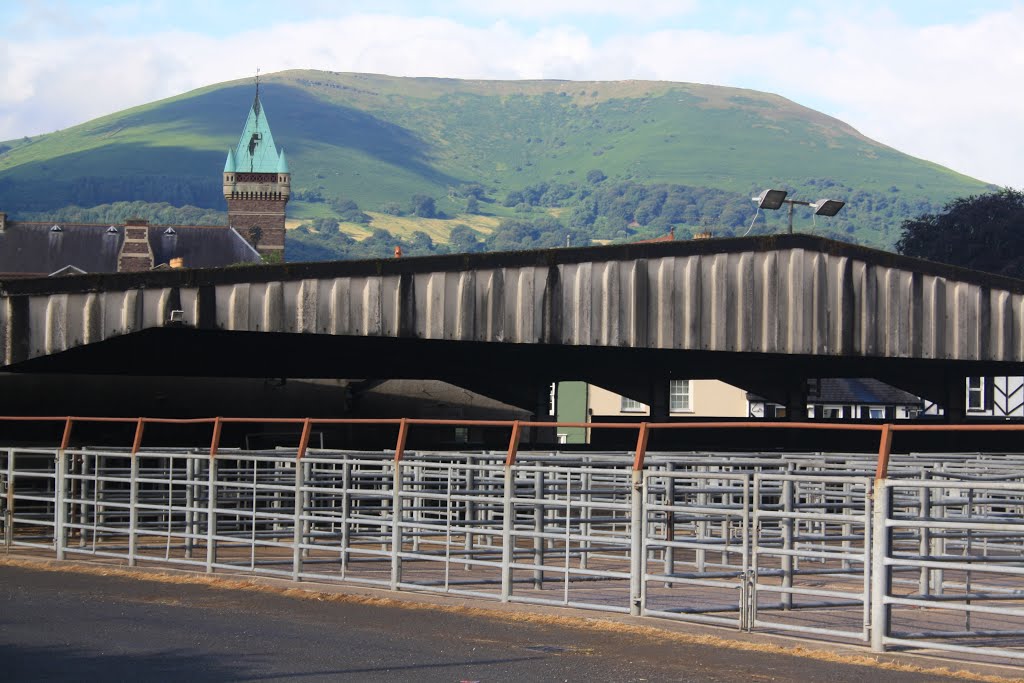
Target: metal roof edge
{"type": "Point", "coordinates": [536, 258]}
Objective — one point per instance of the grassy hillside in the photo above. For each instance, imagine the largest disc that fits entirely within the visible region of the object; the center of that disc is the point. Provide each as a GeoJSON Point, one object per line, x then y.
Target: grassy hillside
{"type": "Point", "coordinates": [379, 139]}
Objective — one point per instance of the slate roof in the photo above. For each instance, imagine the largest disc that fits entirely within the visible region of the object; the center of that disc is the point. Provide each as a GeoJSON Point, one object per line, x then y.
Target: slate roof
{"type": "Point", "coordinates": [37, 249]}
{"type": "Point", "coordinates": [200, 246]}
{"type": "Point", "coordinates": [854, 391]}
{"type": "Point", "coordinates": [863, 391]}
{"type": "Point", "coordinates": [427, 398]}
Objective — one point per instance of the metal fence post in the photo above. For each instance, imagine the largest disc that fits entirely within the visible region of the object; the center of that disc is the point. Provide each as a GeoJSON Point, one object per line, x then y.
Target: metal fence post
{"type": "Point", "coordinates": [507, 537]}
{"type": "Point", "coordinates": [83, 507]}
{"type": "Point", "coordinates": [669, 553]}
{"type": "Point", "coordinates": [346, 512]}
{"type": "Point", "coordinates": [539, 514]}
{"type": "Point", "coordinates": [637, 523]}
{"type": "Point", "coordinates": [470, 508]}
{"type": "Point", "coordinates": [9, 509]}
{"type": "Point", "coordinates": [60, 509]}
{"type": "Point", "coordinates": [211, 516]}
{"type": "Point", "coordinates": [636, 550]}
{"type": "Point", "coordinates": [508, 523]}
{"type": "Point", "coordinates": [297, 530]}
{"type": "Point", "coordinates": [925, 541]}
{"type": "Point", "coordinates": [748, 588]}
{"type": "Point", "coordinates": [133, 511]}
{"type": "Point", "coordinates": [190, 502]}
{"type": "Point", "coordinates": [881, 576]}
{"type": "Point", "coordinates": [788, 505]}
{"type": "Point", "coordinates": [307, 505]}
{"type": "Point", "coordinates": [396, 525]}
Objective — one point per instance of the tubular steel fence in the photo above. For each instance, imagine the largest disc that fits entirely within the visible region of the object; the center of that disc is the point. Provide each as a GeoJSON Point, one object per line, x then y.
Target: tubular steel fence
{"type": "Point", "coordinates": [898, 551]}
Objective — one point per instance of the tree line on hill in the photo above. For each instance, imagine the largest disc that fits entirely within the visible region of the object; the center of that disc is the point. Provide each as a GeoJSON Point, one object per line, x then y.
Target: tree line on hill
{"type": "Point", "coordinates": [980, 232]}
{"type": "Point", "coordinates": [43, 195]}
{"type": "Point", "coordinates": [553, 214]}
{"type": "Point", "coordinates": [116, 213]}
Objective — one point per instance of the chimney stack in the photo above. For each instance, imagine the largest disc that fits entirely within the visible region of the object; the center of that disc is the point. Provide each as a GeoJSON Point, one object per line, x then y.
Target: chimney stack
{"type": "Point", "coordinates": [136, 254]}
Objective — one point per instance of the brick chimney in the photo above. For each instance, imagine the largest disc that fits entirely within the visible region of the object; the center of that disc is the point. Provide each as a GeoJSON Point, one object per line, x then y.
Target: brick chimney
{"type": "Point", "coordinates": [136, 254]}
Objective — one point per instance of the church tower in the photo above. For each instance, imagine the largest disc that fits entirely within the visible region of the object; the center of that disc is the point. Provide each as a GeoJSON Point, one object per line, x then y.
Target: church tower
{"type": "Point", "coordinates": [257, 185]}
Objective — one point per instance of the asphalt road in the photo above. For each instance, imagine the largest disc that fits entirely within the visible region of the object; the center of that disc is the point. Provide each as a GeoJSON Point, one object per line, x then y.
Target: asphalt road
{"type": "Point", "coordinates": [61, 626]}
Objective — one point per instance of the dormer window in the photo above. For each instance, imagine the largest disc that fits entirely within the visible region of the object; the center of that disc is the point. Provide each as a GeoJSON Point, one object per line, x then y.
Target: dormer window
{"type": "Point", "coordinates": [170, 231]}
{"type": "Point", "coordinates": [56, 228]}
{"type": "Point", "coordinates": [111, 230]}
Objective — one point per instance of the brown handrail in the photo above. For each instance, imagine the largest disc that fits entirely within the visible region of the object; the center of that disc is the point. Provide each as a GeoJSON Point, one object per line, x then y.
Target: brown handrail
{"type": "Point", "coordinates": [885, 430]}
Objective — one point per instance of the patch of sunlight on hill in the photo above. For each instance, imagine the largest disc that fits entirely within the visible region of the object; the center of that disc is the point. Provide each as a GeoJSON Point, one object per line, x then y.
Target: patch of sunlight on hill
{"type": "Point", "coordinates": [404, 226]}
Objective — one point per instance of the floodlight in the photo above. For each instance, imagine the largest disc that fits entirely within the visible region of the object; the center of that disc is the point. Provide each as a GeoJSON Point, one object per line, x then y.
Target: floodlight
{"type": "Point", "coordinates": [827, 207]}
{"type": "Point", "coordinates": [770, 199]}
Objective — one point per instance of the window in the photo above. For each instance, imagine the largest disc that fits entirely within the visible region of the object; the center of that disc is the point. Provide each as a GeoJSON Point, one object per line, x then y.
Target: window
{"type": "Point", "coordinates": [832, 412]}
{"type": "Point", "coordinates": [630, 406]}
{"type": "Point", "coordinates": [679, 396]}
{"type": "Point", "coordinates": [976, 393]}
{"type": "Point", "coordinates": [876, 413]}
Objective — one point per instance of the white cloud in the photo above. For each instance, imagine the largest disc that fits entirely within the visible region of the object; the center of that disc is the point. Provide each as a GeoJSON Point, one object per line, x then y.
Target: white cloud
{"type": "Point", "coordinates": [546, 9]}
{"type": "Point", "coordinates": [945, 93]}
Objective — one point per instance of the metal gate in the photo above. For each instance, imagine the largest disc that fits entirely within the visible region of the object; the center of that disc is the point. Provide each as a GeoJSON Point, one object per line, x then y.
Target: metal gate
{"type": "Point", "coordinates": [811, 551]}
{"type": "Point", "coordinates": [696, 546]}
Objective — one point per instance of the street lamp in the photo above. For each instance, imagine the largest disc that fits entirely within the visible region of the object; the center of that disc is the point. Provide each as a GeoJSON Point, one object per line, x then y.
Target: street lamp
{"type": "Point", "coordinates": [774, 199]}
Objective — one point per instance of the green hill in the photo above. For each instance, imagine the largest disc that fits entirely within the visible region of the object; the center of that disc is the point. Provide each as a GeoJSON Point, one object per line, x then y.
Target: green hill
{"type": "Point", "coordinates": [379, 139]}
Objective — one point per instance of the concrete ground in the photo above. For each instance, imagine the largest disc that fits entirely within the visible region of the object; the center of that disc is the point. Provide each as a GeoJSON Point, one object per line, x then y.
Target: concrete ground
{"type": "Point", "coordinates": [93, 622]}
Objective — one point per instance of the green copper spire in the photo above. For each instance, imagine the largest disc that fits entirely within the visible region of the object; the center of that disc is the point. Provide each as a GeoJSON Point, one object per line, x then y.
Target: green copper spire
{"type": "Point", "coordinates": [256, 152]}
{"type": "Point", "coordinates": [229, 164]}
{"type": "Point", "coordinates": [282, 165]}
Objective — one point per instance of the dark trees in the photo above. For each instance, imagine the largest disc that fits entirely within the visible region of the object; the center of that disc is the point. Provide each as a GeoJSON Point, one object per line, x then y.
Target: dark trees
{"type": "Point", "coordinates": [983, 232]}
{"type": "Point", "coordinates": [423, 206]}
{"type": "Point", "coordinates": [463, 240]}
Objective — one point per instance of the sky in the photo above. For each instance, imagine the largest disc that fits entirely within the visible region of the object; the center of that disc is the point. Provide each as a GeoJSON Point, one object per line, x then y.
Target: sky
{"type": "Point", "coordinates": [937, 79]}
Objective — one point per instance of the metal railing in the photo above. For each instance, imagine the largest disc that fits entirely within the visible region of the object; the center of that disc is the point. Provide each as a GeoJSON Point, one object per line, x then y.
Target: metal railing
{"type": "Point", "coordinates": [896, 551]}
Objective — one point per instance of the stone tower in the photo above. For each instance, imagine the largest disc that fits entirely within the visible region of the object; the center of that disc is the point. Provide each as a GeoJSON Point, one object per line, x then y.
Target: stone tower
{"type": "Point", "coordinates": [257, 185]}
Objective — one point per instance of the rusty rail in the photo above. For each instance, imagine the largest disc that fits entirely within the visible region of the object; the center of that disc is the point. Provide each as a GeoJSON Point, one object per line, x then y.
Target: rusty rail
{"type": "Point", "coordinates": [886, 431]}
